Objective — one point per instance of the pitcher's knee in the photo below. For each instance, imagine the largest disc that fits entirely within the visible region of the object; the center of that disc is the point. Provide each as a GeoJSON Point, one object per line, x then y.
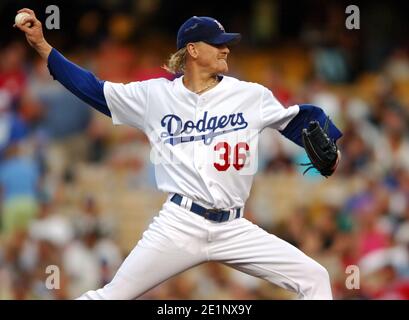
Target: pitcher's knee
{"type": "Point", "coordinates": [318, 273]}
{"type": "Point", "coordinates": [316, 283]}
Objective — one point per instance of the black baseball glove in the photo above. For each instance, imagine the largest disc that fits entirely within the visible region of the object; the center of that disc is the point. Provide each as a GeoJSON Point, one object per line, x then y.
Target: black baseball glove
{"type": "Point", "coordinates": [321, 150]}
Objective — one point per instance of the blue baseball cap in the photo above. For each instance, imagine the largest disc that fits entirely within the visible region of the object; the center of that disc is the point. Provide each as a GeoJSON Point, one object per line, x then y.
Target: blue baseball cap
{"type": "Point", "coordinates": [204, 29]}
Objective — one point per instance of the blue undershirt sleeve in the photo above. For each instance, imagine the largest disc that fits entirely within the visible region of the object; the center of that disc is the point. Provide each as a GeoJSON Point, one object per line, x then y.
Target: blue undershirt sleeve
{"type": "Point", "coordinates": [79, 81]}
{"type": "Point", "coordinates": [306, 114]}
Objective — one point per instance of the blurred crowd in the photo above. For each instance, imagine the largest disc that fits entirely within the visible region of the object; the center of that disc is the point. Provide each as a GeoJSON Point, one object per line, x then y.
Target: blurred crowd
{"type": "Point", "coordinates": [62, 204]}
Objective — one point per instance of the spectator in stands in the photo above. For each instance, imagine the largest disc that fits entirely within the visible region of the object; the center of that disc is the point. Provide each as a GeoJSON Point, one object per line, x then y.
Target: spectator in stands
{"type": "Point", "coordinates": [19, 183]}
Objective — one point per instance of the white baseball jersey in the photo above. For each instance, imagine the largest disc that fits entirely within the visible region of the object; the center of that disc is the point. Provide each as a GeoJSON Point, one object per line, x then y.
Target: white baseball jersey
{"type": "Point", "coordinates": [204, 146]}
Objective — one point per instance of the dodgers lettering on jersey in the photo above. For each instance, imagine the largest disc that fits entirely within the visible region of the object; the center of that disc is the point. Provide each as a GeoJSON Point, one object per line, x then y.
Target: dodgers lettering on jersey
{"type": "Point", "coordinates": [175, 127]}
{"type": "Point", "coordinates": [203, 146]}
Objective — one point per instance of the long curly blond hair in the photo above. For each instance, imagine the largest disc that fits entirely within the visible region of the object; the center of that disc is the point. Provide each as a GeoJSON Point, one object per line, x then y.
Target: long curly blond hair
{"type": "Point", "coordinates": [176, 62]}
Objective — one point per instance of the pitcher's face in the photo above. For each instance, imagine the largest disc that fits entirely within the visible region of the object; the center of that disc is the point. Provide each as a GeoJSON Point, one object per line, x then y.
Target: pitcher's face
{"type": "Point", "coordinates": [212, 57]}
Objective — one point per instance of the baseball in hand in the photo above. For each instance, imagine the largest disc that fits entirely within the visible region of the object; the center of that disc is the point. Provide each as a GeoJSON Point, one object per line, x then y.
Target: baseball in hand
{"type": "Point", "coordinates": [21, 17]}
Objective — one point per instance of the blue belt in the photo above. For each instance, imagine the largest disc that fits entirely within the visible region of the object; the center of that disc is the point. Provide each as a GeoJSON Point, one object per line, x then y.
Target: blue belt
{"type": "Point", "coordinates": [209, 214]}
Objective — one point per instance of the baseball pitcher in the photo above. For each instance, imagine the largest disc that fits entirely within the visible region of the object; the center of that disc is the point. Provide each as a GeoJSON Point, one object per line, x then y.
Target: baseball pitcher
{"type": "Point", "coordinates": [203, 128]}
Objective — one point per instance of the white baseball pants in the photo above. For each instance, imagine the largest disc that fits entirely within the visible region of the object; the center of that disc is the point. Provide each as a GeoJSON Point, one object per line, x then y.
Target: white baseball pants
{"type": "Point", "coordinates": [178, 239]}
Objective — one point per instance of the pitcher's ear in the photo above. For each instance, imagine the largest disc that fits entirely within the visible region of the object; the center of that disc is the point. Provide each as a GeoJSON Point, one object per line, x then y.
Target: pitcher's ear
{"type": "Point", "coordinates": [191, 49]}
